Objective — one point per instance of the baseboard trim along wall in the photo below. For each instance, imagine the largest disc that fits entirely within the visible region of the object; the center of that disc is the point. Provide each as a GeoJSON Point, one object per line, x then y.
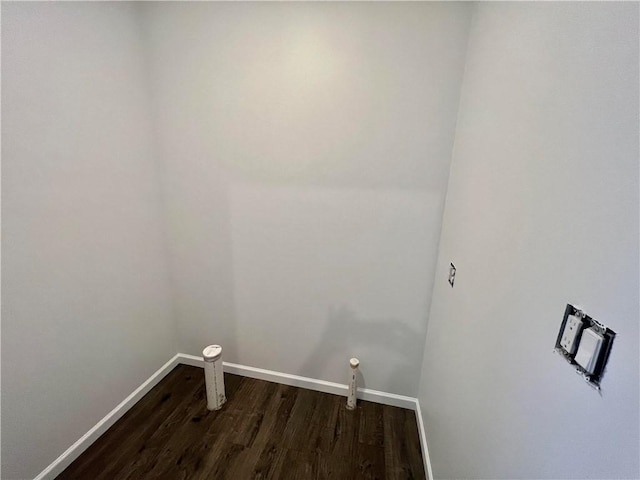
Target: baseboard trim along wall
{"type": "Point", "coordinates": [306, 382]}
{"type": "Point", "coordinates": [75, 450]}
{"type": "Point", "coordinates": [423, 442]}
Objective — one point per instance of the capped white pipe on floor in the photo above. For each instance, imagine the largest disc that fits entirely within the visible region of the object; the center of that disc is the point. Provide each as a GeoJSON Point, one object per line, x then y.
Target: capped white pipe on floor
{"type": "Point", "coordinates": [353, 387]}
{"type": "Point", "coordinates": [214, 377]}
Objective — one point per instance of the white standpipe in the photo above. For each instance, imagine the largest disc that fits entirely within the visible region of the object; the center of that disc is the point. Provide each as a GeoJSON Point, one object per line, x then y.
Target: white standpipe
{"type": "Point", "coordinates": [214, 377]}
{"type": "Point", "coordinates": [353, 387]}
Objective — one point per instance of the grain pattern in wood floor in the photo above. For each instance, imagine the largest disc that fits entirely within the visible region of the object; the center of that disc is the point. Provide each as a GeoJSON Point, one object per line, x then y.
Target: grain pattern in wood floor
{"type": "Point", "coordinates": [264, 431]}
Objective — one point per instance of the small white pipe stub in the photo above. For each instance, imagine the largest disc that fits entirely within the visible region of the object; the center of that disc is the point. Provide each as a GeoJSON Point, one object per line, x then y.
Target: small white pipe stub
{"type": "Point", "coordinates": [214, 377]}
{"type": "Point", "coordinates": [354, 363]}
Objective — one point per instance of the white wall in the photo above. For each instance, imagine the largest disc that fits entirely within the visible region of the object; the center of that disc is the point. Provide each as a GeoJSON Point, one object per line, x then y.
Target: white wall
{"type": "Point", "coordinates": [306, 149]}
{"type": "Point", "coordinates": [541, 211]}
{"type": "Point", "coordinates": [85, 301]}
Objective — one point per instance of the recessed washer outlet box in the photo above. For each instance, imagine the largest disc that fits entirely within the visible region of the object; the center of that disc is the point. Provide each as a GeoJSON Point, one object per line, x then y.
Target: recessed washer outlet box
{"type": "Point", "coordinates": [591, 358]}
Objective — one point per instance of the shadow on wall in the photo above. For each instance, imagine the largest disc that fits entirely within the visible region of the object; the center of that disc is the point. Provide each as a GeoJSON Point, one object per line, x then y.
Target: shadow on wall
{"type": "Point", "coordinates": [387, 342]}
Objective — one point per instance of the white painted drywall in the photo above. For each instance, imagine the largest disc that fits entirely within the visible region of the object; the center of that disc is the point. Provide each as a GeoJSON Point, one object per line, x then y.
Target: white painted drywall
{"type": "Point", "coordinates": [85, 300]}
{"type": "Point", "coordinates": [305, 149]}
{"type": "Point", "coordinates": [541, 210]}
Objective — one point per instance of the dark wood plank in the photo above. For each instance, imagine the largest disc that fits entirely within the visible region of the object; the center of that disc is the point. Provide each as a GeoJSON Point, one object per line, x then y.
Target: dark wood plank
{"type": "Point", "coordinates": [369, 463]}
{"type": "Point", "coordinates": [127, 435]}
{"type": "Point", "coordinates": [403, 457]}
{"type": "Point", "coordinates": [371, 430]}
{"type": "Point", "coordinates": [412, 441]}
{"type": "Point", "coordinates": [264, 431]}
{"type": "Point", "coordinates": [334, 466]}
{"type": "Point", "coordinates": [294, 465]}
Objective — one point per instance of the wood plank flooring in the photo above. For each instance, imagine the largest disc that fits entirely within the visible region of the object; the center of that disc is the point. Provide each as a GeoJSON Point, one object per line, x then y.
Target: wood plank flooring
{"type": "Point", "coordinates": [264, 431]}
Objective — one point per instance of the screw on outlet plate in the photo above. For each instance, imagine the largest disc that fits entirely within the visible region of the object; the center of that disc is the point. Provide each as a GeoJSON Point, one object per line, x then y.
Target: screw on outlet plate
{"type": "Point", "coordinates": [452, 274]}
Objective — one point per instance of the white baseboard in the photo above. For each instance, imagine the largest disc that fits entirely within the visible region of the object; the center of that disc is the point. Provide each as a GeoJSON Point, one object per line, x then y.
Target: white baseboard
{"type": "Point", "coordinates": [386, 398]}
{"type": "Point", "coordinates": [423, 442]}
{"type": "Point", "coordinates": [306, 382]}
{"type": "Point", "coordinates": [74, 451]}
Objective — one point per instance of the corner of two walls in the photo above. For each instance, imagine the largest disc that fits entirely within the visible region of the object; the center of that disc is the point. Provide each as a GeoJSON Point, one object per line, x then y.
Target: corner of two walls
{"type": "Point", "coordinates": [305, 150]}
{"type": "Point", "coordinates": [541, 211]}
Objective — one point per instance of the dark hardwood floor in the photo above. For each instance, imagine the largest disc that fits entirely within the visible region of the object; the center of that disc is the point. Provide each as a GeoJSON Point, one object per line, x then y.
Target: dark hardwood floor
{"type": "Point", "coordinates": [264, 431]}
